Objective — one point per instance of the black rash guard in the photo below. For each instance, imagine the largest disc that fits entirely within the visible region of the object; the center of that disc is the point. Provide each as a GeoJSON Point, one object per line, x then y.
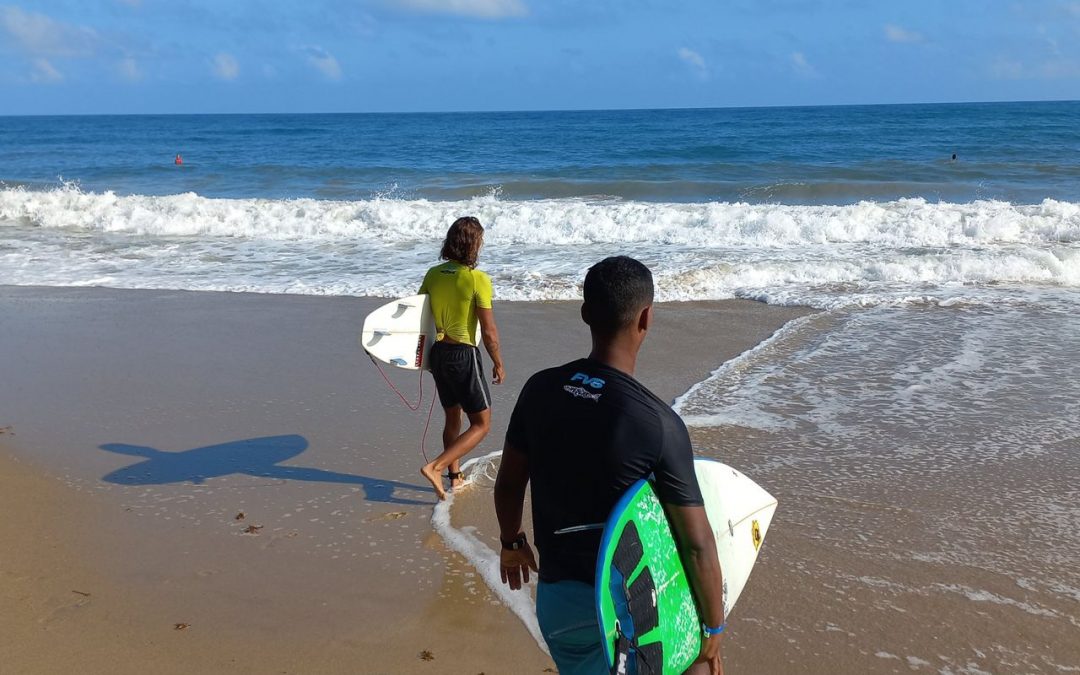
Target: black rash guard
{"type": "Point", "coordinates": [589, 432]}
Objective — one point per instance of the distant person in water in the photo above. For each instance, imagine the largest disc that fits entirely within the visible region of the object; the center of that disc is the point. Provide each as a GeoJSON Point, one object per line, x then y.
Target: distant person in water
{"type": "Point", "coordinates": [179, 160]}
{"type": "Point", "coordinates": [953, 157]}
{"type": "Point", "coordinates": [460, 297]}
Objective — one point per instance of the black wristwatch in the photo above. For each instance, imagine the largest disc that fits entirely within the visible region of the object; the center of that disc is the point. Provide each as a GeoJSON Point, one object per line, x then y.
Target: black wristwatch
{"type": "Point", "coordinates": [515, 544]}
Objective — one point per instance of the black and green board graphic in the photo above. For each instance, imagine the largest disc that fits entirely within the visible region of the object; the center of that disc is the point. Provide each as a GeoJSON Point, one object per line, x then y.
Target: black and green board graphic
{"type": "Point", "coordinates": [646, 608]}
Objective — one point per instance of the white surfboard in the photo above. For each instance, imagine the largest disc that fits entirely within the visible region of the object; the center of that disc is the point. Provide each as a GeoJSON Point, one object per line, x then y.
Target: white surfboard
{"type": "Point", "coordinates": [400, 333]}
{"type": "Point", "coordinates": [740, 512]}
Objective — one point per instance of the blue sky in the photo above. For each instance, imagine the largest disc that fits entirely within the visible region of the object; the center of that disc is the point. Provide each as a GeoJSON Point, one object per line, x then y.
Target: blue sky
{"type": "Point", "coordinates": [182, 56]}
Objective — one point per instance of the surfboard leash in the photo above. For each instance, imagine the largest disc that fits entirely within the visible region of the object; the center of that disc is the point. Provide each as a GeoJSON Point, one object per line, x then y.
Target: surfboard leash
{"type": "Point", "coordinates": [411, 406]}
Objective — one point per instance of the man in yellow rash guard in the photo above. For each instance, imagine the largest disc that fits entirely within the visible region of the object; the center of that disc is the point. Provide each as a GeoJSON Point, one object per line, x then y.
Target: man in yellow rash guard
{"type": "Point", "coordinates": [460, 297]}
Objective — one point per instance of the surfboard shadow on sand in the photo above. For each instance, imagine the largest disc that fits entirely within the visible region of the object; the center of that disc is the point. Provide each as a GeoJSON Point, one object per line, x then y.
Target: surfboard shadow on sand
{"type": "Point", "coordinates": [253, 457]}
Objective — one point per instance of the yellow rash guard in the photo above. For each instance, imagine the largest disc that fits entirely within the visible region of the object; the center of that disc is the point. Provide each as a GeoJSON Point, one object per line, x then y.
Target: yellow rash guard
{"type": "Point", "coordinates": [456, 291]}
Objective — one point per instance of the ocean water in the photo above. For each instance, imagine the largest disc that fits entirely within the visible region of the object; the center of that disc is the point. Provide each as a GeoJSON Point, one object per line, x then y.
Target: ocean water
{"type": "Point", "coordinates": [940, 377]}
{"type": "Point", "coordinates": [819, 206]}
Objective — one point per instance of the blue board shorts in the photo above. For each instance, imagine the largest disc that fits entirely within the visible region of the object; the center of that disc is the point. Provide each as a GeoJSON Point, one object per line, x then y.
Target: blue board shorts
{"type": "Point", "coordinates": [566, 611]}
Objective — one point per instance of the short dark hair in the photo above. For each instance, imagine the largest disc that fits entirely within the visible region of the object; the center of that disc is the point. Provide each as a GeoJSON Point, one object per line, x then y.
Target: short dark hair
{"type": "Point", "coordinates": [616, 290]}
{"type": "Point", "coordinates": [463, 239]}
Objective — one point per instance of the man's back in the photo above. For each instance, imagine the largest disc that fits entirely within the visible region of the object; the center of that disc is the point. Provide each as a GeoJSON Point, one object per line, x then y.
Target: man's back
{"type": "Point", "coordinates": [589, 432]}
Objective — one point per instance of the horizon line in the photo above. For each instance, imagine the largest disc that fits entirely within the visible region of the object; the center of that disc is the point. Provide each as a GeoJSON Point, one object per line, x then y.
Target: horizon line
{"type": "Point", "coordinates": [547, 110]}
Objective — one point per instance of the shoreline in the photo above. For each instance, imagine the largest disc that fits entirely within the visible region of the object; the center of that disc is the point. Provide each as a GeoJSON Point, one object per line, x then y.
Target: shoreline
{"type": "Point", "coordinates": [181, 410]}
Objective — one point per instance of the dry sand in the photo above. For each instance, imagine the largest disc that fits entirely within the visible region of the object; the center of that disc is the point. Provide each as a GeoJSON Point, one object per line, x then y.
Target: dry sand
{"type": "Point", "coordinates": [143, 423]}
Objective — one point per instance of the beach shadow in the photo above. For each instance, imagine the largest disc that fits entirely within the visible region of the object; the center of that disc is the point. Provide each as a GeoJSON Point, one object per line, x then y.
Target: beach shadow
{"type": "Point", "coordinates": [252, 457]}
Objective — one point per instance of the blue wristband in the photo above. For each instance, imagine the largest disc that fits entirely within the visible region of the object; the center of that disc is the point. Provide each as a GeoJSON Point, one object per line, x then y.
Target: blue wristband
{"type": "Point", "coordinates": [709, 631]}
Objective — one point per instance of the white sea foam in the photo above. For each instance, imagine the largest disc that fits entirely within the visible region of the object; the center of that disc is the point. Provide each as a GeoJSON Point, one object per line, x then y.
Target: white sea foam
{"type": "Point", "coordinates": [907, 222]}
{"type": "Point", "coordinates": [827, 256]}
{"type": "Point", "coordinates": [936, 378]}
{"type": "Point", "coordinates": [482, 557]}
{"type": "Point", "coordinates": [980, 595]}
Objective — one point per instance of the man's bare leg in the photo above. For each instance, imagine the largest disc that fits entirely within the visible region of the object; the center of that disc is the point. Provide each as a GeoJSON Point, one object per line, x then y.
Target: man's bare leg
{"type": "Point", "coordinates": [479, 426]}
{"type": "Point", "coordinates": [451, 431]}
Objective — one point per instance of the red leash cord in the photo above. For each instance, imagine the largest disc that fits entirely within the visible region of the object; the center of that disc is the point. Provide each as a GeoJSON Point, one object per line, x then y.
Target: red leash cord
{"type": "Point", "coordinates": [411, 406]}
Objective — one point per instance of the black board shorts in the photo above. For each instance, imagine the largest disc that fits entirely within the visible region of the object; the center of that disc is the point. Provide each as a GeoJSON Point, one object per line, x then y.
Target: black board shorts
{"type": "Point", "coordinates": [459, 376]}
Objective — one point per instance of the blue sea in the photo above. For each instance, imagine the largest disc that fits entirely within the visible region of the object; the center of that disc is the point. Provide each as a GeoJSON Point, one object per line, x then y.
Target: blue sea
{"type": "Point", "coordinates": [939, 383]}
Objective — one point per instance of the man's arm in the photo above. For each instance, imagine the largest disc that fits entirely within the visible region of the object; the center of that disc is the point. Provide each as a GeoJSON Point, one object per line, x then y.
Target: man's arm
{"type": "Point", "coordinates": [490, 334]}
{"type": "Point", "coordinates": [510, 484]}
{"type": "Point", "coordinates": [698, 547]}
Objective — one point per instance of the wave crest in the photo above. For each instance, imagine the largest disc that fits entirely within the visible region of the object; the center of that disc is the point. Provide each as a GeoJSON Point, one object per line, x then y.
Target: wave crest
{"type": "Point", "coordinates": [902, 223]}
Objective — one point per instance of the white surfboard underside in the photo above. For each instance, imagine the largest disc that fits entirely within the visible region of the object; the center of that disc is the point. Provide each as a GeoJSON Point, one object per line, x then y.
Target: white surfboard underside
{"type": "Point", "coordinates": [400, 333]}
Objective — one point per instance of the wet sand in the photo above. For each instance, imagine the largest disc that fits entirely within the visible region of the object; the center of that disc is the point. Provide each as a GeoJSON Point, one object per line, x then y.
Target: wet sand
{"type": "Point", "coordinates": [210, 482]}
{"type": "Point", "coordinates": [873, 566]}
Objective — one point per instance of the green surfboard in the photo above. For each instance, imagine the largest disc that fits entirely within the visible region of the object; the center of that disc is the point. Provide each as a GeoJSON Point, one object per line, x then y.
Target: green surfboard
{"type": "Point", "coordinates": [646, 608]}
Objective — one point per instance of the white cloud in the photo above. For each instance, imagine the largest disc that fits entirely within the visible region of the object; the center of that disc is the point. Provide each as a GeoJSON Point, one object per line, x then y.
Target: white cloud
{"type": "Point", "coordinates": [1005, 69]}
{"type": "Point", "coordinates": [324, 62]}
{"type": "Point", "coordinates": [1052, 45]}
{"type": "Point", "coordinates": [1059, 69]}
{"type": "Point", "coordinates": [225, 66]}
{"type": "Point", "coordinates": [39, 35]}
{"type": "Point", "coordinates": [693, 59]}
{"type": "Point", "coordinates": [1050, 69]}
{"type": "Point", "coordinates": [45, 73]}
{"type": "Point", "coordinates": [481, 9]}
{"type": "Point", "coordinates": [899, 34]}
{"type": "Point", "coordinates": [802, 66]}
{"type": "Point", "coordinates": [128, 69]}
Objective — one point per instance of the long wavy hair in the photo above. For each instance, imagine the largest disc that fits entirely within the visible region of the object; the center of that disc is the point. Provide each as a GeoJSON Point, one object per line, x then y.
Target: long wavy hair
{"type": "Point", "coordinates": [463, 240]}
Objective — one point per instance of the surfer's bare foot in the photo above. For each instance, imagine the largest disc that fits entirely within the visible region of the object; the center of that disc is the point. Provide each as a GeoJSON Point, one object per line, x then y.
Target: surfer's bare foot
{"type": "Point", "coordinates": [429, 472]}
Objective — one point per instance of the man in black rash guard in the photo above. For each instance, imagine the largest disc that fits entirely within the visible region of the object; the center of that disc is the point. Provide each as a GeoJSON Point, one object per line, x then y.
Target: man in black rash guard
{"type": "Point", "coordinates": [581, 434]}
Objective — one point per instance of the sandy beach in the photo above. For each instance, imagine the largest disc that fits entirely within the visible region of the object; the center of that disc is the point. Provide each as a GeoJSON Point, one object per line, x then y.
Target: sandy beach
{"type": "Point", "coordinates": [216, 482]}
